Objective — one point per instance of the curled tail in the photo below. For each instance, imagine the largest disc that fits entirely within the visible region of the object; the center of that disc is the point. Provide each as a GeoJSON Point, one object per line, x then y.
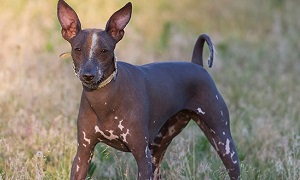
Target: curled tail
{"type": "Point", "coordinates": [198, 50]}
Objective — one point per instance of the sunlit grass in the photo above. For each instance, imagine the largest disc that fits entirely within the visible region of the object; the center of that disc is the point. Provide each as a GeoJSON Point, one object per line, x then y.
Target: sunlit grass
{"type": "Point", "coordinates": [257, 71]}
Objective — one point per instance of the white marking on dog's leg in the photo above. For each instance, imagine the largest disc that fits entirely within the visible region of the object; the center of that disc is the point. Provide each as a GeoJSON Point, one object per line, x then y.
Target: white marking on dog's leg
{"type": "Point", "coordinates": [200, 111]}
{"type": "Point", "coordinates": [227, 147]}
{"type": "Point", "coordinates": [146, 151]}
{"type": "Point", "coordinates": [231, 155]}
{"type": "Point", "coordinates": [217, 96]}
{"type": "Point", "coordinates": [91, 157]}
{"type": "Point", "coordinates": [200, 124]}
{"type": "Point", "coordinates": [120, 126]}
{"type": "Point", "coordinates": [156, 173]}
{"type": "Point", "coordinates": [77, 168]}
{"type": "Point", "coordinates": [222, 113]}
{"type": "Point", "coordinates": [93, 45]}
{"type": "Point", "coordinates": [154, 160]}
{"type": "Point", "coordinates": [171, 130]}
{"type": "Point", "coordinates": [215, 144]}
{"type": "Point", "coordinates": [85, 138]}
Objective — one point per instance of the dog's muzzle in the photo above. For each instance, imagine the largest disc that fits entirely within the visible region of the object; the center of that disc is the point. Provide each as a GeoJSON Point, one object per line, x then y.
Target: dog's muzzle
{"type": "Point", "coordinates": [96, 82]}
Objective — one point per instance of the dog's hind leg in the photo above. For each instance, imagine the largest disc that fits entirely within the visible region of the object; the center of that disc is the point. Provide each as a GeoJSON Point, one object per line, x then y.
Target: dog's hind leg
{"type": "Point", "coordinates": [171, 128]}
{"type": "Point", "coordinates": [215, 124]}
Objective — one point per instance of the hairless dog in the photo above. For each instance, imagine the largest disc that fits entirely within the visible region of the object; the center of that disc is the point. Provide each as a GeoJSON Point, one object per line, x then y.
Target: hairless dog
{"type": "Point", "coordinates": [140, 109]}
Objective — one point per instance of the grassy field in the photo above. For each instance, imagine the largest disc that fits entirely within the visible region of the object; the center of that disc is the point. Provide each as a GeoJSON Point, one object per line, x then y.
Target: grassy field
{"type": "Point", "coordinates": [257, 70]}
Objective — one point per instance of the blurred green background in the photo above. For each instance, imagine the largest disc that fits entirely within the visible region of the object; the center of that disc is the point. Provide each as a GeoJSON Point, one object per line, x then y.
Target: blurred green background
{"type": "Point", "coordinates": [257, 70]}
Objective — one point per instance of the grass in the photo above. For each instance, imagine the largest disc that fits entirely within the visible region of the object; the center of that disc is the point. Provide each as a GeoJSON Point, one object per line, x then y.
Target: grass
{"type": "Point", "coordinates": [257, 71]}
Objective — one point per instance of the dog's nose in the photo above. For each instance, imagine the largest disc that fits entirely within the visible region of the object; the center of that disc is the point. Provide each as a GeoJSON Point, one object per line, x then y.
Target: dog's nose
{"type": "Point", "coordinates": [88, 77]}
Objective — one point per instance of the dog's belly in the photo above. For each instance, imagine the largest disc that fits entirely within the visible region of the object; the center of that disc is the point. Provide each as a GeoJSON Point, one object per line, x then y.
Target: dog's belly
{"type": "Point", "coordinates": [116, 143]}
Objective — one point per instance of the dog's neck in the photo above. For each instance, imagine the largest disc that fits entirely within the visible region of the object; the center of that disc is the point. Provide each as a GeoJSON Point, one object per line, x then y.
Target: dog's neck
{"type": "Point", "coordinates": [110, 77]}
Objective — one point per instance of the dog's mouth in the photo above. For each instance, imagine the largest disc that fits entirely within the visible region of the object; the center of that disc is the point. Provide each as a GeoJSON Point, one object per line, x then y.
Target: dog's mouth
{"type": "Point", "coordinates": [93, 85]}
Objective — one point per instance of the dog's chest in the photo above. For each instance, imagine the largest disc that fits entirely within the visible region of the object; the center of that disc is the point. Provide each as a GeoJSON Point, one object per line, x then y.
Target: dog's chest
{"type": "Point", "coordinates": [114, 133]}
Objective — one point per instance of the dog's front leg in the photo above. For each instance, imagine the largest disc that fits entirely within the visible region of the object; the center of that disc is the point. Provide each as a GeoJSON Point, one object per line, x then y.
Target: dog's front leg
{"type": "Point", "coordinates": [86, 123]}
{"type": "Point", "coordinates": [143, 158]}
{"type": "Point", "coordinates": [81, 162]}
{"type": "Point", "coordinates": [139, 147]}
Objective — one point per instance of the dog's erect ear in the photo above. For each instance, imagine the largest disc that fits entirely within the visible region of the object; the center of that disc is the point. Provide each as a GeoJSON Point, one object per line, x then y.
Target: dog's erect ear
{"type": "Point", "coordinates": [117, 22]}
{"type": "Point", "coordinates": [68, 20]}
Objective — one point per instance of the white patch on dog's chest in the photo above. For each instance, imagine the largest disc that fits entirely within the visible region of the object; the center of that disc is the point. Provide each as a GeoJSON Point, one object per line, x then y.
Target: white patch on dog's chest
{"type": "Point", "coordinates": [120, 126]}
{"type": "Point", "coordinates": [111, 135]}
{"type": "Point", "coordinates": [124, 135]}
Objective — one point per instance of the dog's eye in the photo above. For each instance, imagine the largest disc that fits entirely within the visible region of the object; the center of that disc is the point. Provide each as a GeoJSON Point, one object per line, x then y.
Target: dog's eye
{"type": "Point", "coordinates": [77, 49]}
{"type": "Point", "coordinates": [104, 50]}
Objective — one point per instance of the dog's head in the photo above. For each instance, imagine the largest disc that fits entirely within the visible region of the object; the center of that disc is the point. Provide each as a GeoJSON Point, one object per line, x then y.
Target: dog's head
{"type": "Point", "coordinates": [92, 49]}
